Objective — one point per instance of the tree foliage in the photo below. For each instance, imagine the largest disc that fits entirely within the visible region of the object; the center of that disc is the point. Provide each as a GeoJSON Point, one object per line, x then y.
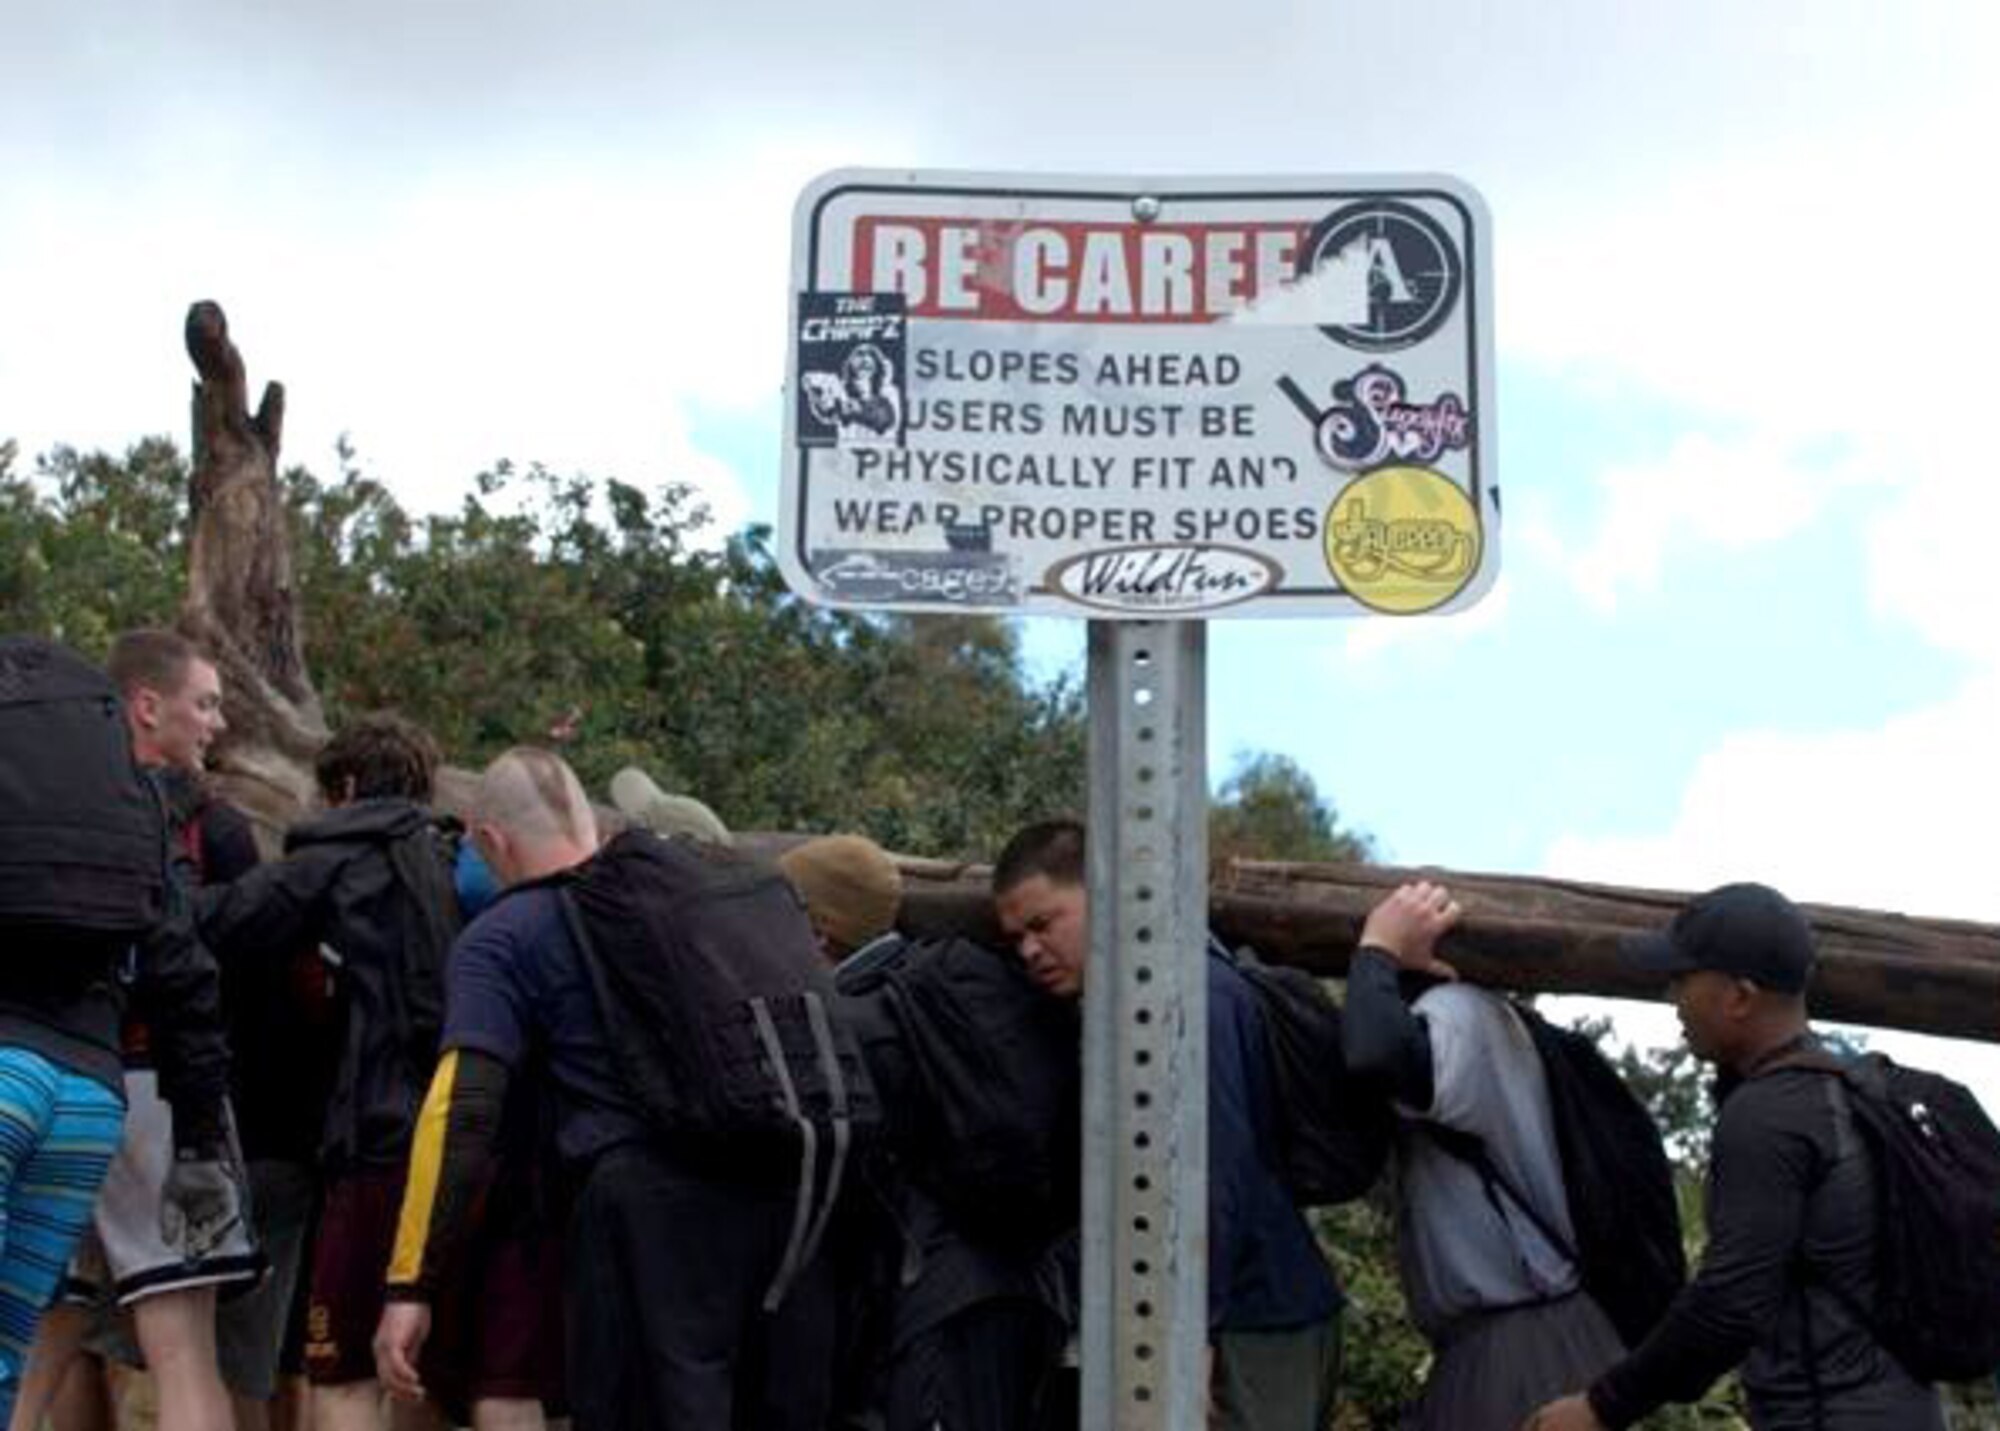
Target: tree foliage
{"type": "Point", "coordinates": [598, 616]}
{"type": "Point", "coordinates": [90, 545]}
{"type": "Point", "coordinates": [1270, 808]}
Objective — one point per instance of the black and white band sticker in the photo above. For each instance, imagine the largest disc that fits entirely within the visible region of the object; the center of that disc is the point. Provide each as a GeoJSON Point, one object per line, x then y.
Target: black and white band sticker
{"type": "Point", "coordinates": [851, 369]}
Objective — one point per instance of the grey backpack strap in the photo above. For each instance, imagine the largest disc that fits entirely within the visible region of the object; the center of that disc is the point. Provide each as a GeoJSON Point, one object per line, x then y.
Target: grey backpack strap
{"type": "Point", "coordinates": [843, 1122]}
{"type": "Point", "coordinates": [788, 1268]}
{"type": "Point", "coordinates": [1470, 1150]}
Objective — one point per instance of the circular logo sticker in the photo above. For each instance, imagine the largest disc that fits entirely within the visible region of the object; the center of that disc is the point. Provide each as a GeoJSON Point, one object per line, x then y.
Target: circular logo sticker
{"type": "Point", "coordinates": [1402, 539]}
{"type": "Point", "coordinates": [1390, 269]}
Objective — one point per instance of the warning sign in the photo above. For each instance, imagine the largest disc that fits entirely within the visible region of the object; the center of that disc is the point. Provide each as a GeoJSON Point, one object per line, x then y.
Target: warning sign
{"type": "Point", "coordinates": [1140, 398]}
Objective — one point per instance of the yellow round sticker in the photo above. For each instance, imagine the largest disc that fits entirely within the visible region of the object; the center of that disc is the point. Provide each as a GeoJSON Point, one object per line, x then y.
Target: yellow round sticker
{"type": "Point", "coordinates": [1402, 539]}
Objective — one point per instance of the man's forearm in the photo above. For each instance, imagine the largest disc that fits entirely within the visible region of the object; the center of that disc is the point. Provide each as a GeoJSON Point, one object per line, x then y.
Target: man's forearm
{"type": "Point", "coordinates": [451, 1163]}
{"type": "Point", "coordinates": [1686, 1354]}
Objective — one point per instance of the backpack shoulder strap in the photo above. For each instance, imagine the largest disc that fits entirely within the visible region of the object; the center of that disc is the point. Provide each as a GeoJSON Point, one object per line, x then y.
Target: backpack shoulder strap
{"type": "Point", "coordinates": [1810, 1056]}
{"type": "Point", "coordinates": [420, 862]}
{"type": "Point", "coordinates": [873, 965]}
{"type": "Point", "coordinates": [1846, 1076]}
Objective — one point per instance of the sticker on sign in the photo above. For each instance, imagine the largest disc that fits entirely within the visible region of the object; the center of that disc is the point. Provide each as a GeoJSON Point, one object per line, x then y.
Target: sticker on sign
{"type": "Point", "coordinates": [1140, 397]}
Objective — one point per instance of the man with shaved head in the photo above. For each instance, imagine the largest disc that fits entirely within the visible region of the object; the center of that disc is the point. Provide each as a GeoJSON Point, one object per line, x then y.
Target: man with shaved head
{"type": "Point", "coordinates": [669, 1247]}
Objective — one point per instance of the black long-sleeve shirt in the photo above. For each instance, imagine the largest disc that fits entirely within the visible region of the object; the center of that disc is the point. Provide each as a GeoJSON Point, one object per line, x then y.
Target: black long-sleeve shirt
{"type": "Point", "coordinates": [1791, 1216]}
{"type": "Point", "coordinates": [179, 994]}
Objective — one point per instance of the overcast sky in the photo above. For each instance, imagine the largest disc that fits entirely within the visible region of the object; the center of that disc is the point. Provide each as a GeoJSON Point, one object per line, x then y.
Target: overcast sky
{"type": "Point", "coordinates": [1746, 621]}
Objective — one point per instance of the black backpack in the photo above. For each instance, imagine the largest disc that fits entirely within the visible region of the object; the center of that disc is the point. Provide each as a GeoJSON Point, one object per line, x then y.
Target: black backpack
{"type": "Point", "coordinates": [389, 944]}
{"type": "Point", "coordinates": [1936, 1157]}
{"type": "Point", "coordinates": [716, 1003]}
{"type": "Point", "coordinates": [83, 831]}
{"type": "Point", "coordinates": [1334, 1134]}
{"type": "Point", "coordinates": [1616, 1179]}
{"type": "Point", "coordinates": [980, 1074]}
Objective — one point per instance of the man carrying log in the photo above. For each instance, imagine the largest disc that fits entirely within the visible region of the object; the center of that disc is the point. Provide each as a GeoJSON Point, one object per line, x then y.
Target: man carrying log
{"type": "Point", "coordinates": [1483, 1239]}
{"type": "Point", "coordinates": [1273, 1306]}
{"type": "Point", "coordinates": [957, 1262]}
{"type": "Point", "coordinates": [683, 1240]}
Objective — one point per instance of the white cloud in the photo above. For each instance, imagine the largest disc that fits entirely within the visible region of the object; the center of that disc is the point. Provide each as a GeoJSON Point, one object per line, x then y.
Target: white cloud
{"type": "Point", "coordinates": [1896, 818]}
{"type": "Point", "coordinates": [567, 318]}
{"type": "Point", "coordinates": [1811, 286]}
{"type": "Point", "coordinates": [1368, 638]}
{"type": "Point", "coordinates": [1808, 282]}
{"type": "Point", "coordinates": [518, 232]}
{"type": "Point", "coordinates": [1804, 296]}
{"type": "Point", "coordinates": [1932, 560]}
{"type": "Point", "coordinates": [1728, 494]}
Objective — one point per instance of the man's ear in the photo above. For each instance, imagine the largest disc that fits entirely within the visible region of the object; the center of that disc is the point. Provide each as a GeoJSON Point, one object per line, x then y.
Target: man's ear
{"type": "Point", "coordinates": [145, 705]}
{"type": "Point", "coordinates": [489, 842]}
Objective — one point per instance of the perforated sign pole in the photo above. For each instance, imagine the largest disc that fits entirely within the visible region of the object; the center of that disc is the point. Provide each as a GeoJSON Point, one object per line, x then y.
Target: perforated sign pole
{"type": "Point", "coordinates": [1145, 1210]}
{"type": "Point", "coordinates": [1146, 401]}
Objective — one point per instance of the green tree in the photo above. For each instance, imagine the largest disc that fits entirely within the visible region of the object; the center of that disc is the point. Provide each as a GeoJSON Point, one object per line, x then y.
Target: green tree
{"type": "Point", "coordinates": [1270, 808]}
{"type": "Point", "coordinates": [603, 611]}
{"type": "Point", "coordinates": [92, 544]}
{"type": "Point", "coordinates": [596, 615]}
{"type": "Point", "coordinates": [475, 623]}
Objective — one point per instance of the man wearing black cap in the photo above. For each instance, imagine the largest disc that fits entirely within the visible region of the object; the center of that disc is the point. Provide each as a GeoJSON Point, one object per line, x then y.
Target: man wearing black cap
{"type": "Point", "coordinates": [1788, 1273]}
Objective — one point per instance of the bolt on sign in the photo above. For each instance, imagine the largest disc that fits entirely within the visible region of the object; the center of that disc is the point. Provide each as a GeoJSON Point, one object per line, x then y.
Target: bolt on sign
{"type": "Point", "coordinates": [1140, 398]}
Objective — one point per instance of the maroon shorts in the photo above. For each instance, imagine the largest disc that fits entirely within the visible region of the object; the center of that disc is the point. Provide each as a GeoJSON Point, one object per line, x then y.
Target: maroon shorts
{"type": "Point", "coordinates": [357, 1237]}
{"type": "Point", "coordinates": [497, 1334]}
{"type": "Point", "coordinates": [501, 1333]}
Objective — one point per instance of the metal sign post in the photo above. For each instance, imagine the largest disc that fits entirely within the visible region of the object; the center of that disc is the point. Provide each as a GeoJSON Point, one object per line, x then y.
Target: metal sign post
{"type": "Point", "coordinates": [1145, 1067]}
{"type": "Point", "coordinates": [1146, 403]}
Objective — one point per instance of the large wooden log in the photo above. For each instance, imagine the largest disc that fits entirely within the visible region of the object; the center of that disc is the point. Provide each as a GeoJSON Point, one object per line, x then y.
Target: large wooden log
{"type": "Point", "coordinates": [1551, 936]}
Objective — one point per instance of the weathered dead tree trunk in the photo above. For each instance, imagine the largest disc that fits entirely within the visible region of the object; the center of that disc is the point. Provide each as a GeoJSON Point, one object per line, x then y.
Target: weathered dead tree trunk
{"type": "Point", "coordinates": [1551, 936]}
{"type": "Point", "coordinates": [242, 601]}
